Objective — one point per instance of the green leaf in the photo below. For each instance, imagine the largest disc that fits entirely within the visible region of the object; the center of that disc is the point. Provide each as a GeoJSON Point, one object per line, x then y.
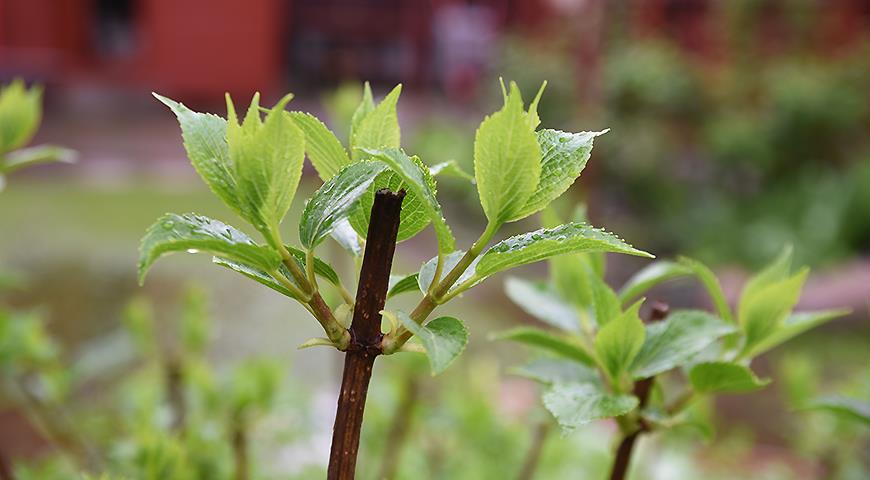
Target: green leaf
{"type": "Point", "coordinates": [851, 409]}
{"type": "Point", "coordinates": [443, 338]}
{"type": "Point", "coordinates": [366, 105]}
{"type": "Point", "coordinates": [507, 160]}
{"type": "Point", "coordinates": [322, 147]}
{"type": "Point", "coordinates": [346, 236]}
{"type": "Point", "coordinates": [538, 301]}
{"type": "Point", "coordinates": [764, 312]}
{"type": "Point", "coordinates": [415, 215]}
{"type": "Point", "coordinates": [256, 274]}
{"type": "Point", "coordinates": [673, 342]}
{"type": "Point", "coordinates": [605, 303]}
{"type": "Point", "coordinates": [20, 114]}
{"type": "Point", "coordinates": [379, 128]}
{"type": "Point", "coordinates": [711, 284]}
{"type": "Point", "coordinates": [550, 370]}
{"type": "Point", "coordinates": [205, 140]}
{"type": "Point", "coordinates": [402, 283]}
{"type": "Point", "coordinates": [38, 155]}
{"type": "Point", "coordinates": [563, 157]}
{"type": "Point", "coordinates": [545, 243]}
{"type": "Point", "coordinates": [175, 233]}
{"type": "Point", "coordinates": [724, 377]}
{"type": "Point", "coordinates": [774, 272]}
{"type": "Point", "coordinates": [650, 276]}
{"type": "Point", "coordinates": [267, 157]}
{"type": "Point", "coordinates": [450, 168]}
{"type": "Point", "coordinates": [792, 326]}
{"type": "Point", "coordinates": [568, 274]}
{"type": "Point", "coordinates": [534, 119]}
{"type": "Point", "coordinates": [575, 405]}
{"type": "Point", "coordinates": [548, 342]}
{"type": "Point", "coordinates": [427, 271]}
{"type": "Point", "coordinates": [335, 200]}
{"type": "Point", "coordinates": [619, 341]}
{"type": "Point", "coordinates": [420, 183]}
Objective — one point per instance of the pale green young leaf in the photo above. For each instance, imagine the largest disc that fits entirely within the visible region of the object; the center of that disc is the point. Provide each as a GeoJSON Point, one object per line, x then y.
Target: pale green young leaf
{"type": "Point", "coordinates": [420, 184]}
{"type": "Point", "coordinates": [175, 233]}
{"type": "Point", "coordinates": [568, 272]}
{"type": "Point", "coordinates": [542, 303]}
{"type": "Point", "coordinates": [427, 271]}
{"type": "Point", "coordinates": [552, 370]}
{"type": "Point", "coordinates": [443, 338]}
{"type": "Point", "coordinates": [20, 115]}
{"type": "Point", "coordinates": [321, 269]}
{"type": "Point", "coordinates": [575, 405]}
{"type": "Point", "coordinates": [415, 215]}
{"type": "Point", "coordinates": [402, 283]}
{"type": "Point", "coordinates": [267, 157]}
{"type": "Point", "coordinates": [27, 157]}
{"type": "Point", "coordinates": [619, 341]}
{"type": "Point", "coordinates": [673, 342]}
{"type": "Point", "coordinates": [650, 276]}
{"type": "Point", "coordinates": [792, 326]}
{"type": "Point", "coordinates": [379, 128]}
{"type": "Point", "coordinates": [563, 157]}
{"type": "Point", "coordinates": [711, 284]}
{"type": "Point", "coordinates": [322, 147]}
{"type": "Point", "coordinates": [851, 409]}
{"type": "Point", "coordinates": [548, 342]}
{"type": "Point", "coordinates": [724, 377]}
{"type": "Point", "coordinates": [534, 119]}
{"type": "Point", "coordinates": [450, 168]}
{"type": "Point", "coordinates": [605, 303]}
{"type": "Point", "coordinates": [763, 314]}
{"type": "Point", "coordinates": [205, 140]}
{"type": "Point", "coordinates": [335, 201]}
{"type": "Point", "coordinates": [366, 105]}
{"type": "Point", "coordinates": [545, 243]}
{"type": "Point", "coordinates": [569, 279]}
{"type": "Point", "coordinates": [344, 234]}
{"type": "Point", "coordinates": [255, 274]}
{"type": "Point", "coordinates": [507, 160]}
{"type": "Point", "coordinates": [775, 271]}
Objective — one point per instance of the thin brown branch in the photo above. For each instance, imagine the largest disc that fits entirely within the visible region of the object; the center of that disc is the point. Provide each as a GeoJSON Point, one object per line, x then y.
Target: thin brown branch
{"type": "Point", "coordinates": [239, 441]}
{"type": "Point", "coordinates": [642, 389]}
{"type": "Point", "coordinates": [533, 455]}
{"type": "Point", "coordinates": [365, 333]}
{"type": "Point", "coordinates": [174, 372]}
{"type": "Point", "coordinates": [59, 429]}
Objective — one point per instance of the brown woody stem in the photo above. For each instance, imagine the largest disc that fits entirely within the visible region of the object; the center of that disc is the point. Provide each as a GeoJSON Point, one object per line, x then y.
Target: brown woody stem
{"type": "Point", "coordinates": [365, 333]}
{"type": "Point", "coordinates": [6, 472]}
{"type": "Point", "coordinates": [642, 389]}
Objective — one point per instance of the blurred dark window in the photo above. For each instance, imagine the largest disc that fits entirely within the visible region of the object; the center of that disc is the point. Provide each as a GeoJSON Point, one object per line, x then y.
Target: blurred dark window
{"type": "Point", "coordinates": [114, 26]}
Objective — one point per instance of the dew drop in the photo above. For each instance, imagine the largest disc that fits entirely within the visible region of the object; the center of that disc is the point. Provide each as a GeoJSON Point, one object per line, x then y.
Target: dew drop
{"type": "Point", "coordinates": [168, 224]}
{"type": "Point", "coordinates": [192, 250]}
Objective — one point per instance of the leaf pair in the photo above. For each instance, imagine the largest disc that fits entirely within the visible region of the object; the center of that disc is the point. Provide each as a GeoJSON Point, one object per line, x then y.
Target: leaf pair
{"type": "Point", "coordinates": [254, 167]}
{"type": "Point", "coordinates": [518, 171]}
